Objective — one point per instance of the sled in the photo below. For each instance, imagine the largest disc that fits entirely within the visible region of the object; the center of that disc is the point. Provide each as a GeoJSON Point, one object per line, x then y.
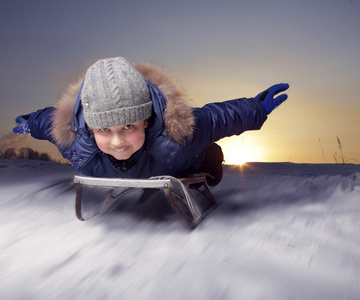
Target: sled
{"type": "Point", "coordinates": [190, 197]}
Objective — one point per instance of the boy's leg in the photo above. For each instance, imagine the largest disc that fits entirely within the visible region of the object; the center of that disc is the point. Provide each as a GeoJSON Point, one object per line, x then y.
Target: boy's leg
{"type": "Point", "coordinates": [212, 164]}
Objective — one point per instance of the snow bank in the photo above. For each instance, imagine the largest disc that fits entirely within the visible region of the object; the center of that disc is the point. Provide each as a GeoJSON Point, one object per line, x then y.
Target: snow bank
{"type": "Point", "coordinates": [281, 231]}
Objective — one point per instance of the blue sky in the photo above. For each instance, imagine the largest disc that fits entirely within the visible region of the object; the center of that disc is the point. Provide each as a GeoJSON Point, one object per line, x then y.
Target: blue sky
{"type": "Point", "coordinates": [217, 50]}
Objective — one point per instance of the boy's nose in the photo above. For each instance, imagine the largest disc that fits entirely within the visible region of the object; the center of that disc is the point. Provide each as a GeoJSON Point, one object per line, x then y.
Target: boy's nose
{"type": "Point", "coordinates": [117, 140]}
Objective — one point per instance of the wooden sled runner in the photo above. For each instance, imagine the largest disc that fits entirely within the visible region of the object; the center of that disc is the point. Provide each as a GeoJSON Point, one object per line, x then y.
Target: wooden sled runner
{"type": "Point", "coordinates": [190, 197]}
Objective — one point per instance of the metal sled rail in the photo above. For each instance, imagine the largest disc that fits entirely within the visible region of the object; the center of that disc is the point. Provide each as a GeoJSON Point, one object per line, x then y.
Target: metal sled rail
{"type": "Point", "coordinates": [123, 183]}
{"type": "Point", "coordinates": [182, 194]}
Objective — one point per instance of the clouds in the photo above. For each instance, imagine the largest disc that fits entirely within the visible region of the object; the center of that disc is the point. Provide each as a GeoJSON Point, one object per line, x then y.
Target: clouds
{"type": "Point", "coordinates": [12, 140]}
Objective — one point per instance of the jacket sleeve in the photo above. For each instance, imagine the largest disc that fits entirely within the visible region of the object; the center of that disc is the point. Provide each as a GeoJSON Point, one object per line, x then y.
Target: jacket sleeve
{"type": "Point", "coordinates": [40, 124]}
{"type": "Point", "coordinates": [215, 121]}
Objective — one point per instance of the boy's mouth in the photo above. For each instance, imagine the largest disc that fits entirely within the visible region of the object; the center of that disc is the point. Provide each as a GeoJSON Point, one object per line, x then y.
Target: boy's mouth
{"type": "Point", "coordinates": [122, 149]}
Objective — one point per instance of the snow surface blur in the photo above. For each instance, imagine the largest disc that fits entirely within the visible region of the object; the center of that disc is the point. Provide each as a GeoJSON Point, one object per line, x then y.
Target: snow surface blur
{"type": "Point", "coordinates": [281, 231]}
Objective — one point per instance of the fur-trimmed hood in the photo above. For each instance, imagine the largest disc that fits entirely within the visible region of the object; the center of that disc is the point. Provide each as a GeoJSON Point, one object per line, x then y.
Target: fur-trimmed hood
{"type": "Point", "coordinates": [178, 115]}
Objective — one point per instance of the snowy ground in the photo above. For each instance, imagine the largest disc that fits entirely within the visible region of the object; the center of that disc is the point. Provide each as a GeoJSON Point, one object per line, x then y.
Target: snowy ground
{"type": "Point", "coordinates": [281, 231]}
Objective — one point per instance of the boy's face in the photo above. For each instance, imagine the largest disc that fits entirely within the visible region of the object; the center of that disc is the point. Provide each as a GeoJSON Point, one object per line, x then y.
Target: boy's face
{"type": "Point", "coordinates": [121, 141]}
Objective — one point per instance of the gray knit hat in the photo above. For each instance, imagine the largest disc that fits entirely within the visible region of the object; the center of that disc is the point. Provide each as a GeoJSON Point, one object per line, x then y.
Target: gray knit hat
{"type": "Point", "coordinates": [114, 93]}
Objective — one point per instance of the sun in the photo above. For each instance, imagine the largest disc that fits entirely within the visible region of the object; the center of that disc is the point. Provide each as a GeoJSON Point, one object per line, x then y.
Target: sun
{"type": "Point", "coordinates": [238, 153]}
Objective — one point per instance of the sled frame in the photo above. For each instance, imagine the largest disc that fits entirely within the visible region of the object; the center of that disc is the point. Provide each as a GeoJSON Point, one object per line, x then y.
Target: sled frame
{"type": "Point", "coordinates": [195, 182]}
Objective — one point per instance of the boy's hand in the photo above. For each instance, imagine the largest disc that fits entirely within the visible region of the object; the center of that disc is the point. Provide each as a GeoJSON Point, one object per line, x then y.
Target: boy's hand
{"type": "Point", "coordinates": [23, 128]}
{"type": "Point", "coordinates": [267, 99]}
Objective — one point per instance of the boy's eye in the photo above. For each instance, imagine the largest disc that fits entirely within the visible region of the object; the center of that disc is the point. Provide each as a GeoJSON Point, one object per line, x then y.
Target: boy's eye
{"type": "Point", "coordinates": [128, 126]}
{"type": "Point", "coordinates": [104, 129]}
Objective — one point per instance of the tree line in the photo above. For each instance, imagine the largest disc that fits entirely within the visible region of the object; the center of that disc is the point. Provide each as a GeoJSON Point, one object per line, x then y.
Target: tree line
{"type": "Point", "coordinates": [25, 153]}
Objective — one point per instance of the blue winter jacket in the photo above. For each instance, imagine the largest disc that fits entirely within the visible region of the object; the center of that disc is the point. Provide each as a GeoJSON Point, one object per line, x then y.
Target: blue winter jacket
{"type": "Point", "coordinates": [162, 153]}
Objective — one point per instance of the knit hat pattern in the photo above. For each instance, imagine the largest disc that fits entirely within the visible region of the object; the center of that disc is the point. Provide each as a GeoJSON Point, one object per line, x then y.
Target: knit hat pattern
{"type": "Point", "coordinates": [114, 93]}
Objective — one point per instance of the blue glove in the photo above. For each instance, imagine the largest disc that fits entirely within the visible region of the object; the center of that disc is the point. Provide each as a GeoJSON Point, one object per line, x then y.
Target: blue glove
{"type": "Point", "coordinates": [267, 99]}
{"type": "Point", "coordinates": [23, 128]}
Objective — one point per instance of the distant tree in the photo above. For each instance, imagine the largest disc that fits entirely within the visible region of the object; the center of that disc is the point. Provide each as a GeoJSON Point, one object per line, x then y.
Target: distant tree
{"type": "Point", "coordinates": [33, 154]}
{"type": "Point", "coordinates": [44, 156]}
{"type": "Point", "coordinates": [10, 153]}
{"type": "Point", "coordinates": [23, 153]}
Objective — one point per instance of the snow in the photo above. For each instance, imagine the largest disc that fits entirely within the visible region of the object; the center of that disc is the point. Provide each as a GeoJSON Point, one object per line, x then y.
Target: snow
{"type": "Point", "coordinates": [281, 231]}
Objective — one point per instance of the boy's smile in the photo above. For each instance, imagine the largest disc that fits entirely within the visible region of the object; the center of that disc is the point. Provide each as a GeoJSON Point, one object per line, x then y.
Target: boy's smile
{"type": "Point", "coordinates": [121, 141]}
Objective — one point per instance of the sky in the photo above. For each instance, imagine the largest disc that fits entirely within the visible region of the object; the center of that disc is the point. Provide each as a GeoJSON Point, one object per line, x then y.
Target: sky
{"type": "Point", "coordinates": [217, 50]}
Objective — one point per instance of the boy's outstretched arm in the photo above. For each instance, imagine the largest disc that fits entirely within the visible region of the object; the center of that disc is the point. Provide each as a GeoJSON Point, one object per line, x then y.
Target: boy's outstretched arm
{"type": "Point", "coordinates": [215, 121]}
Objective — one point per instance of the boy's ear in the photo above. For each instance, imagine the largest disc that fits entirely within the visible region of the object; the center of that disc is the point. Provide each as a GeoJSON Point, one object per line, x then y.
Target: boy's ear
{"type": "Point", "coordinates": [146, 123]}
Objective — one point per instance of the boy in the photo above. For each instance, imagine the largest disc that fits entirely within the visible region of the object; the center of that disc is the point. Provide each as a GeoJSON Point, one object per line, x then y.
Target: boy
{"type": "Point", "coordinates": [134, 122]}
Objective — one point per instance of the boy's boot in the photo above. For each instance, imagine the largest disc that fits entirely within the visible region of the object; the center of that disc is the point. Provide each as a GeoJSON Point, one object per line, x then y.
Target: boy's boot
{"type": "Point", "coordinates": [212, 164]}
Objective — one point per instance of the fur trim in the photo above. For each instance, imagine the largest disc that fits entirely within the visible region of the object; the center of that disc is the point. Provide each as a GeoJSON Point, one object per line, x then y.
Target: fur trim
{"type": "Point", "coordinates": [178, 116]}
{"type": "Point", "coordinates": [61, 129]}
